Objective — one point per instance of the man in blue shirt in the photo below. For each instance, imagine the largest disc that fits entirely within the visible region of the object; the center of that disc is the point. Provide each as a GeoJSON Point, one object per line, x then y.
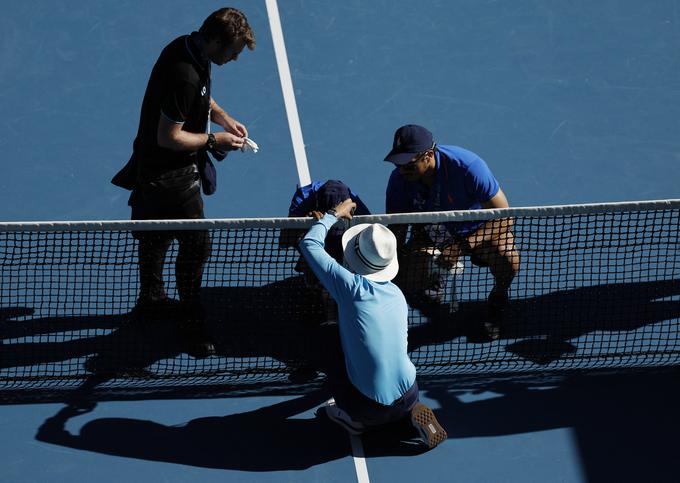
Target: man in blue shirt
{"type": "Point", "coordinates": [433, 177]}
{"type": "Point", "coordinates": [377, 382]}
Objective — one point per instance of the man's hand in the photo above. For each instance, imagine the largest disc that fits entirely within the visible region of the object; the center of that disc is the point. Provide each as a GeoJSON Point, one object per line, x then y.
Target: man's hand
{"type": "Point", "coordinates": [233, 126]}
{"type": "Point", "coordinates": [228, 123]}
{"type": "Point", "coordinates": [345, 210]}
{"type": "Point", "coordinates": [317, 215]}
{"type": "Point", "coordinates": [228, 142]}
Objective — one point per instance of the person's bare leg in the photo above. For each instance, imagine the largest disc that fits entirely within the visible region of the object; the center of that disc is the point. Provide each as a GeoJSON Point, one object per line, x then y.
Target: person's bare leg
{"type": "Point", "coordinates": [494, 245]}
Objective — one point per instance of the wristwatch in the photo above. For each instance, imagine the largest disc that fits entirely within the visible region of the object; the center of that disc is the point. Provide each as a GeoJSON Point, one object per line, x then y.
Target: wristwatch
{"type": "Point", "coordinates": [210, 143]}
{"type": "Point", "coordinates": [332, 212]}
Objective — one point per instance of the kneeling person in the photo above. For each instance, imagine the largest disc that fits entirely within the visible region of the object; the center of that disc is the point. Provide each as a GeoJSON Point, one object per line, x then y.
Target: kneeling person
{"type": "Point", "coordinates": [431, 177]}
{"type": "Point", "coordinates": [376, 384]}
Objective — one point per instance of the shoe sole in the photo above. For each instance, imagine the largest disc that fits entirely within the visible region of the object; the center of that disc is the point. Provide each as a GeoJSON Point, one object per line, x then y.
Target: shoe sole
{"type": "Point", "coordinates": [426, 423]}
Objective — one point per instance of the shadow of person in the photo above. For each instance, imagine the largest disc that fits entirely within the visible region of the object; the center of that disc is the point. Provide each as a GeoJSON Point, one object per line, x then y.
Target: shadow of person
{"type": "Point", "coordinates": [282, 321]}
{"type": "Point", "coordinates": [619, 306]}
{"type": "Point", "coordinates": [260, 333]}
{"type": "Point", "coordinates": [135, 346]}
{"type": "Point", "coordinates": [548, 324]}
{"type": "Point", "coordinates": [625, 425]}
{"type": "Point", "coordinates": [73, 347]}
{"type": "Point", "coordinates": [265, 439]}
{"type": "Point", "coordinates": [268, 333]}
{"type": "Point", "coordinates": [555, 319]}
{"type": "Point", "coordinates": [46, 340]}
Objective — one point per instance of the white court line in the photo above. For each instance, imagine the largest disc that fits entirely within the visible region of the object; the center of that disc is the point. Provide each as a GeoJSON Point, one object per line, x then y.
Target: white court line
{"type": "Point", "coordinates": [288, 93]}
{"type": "Point", "coordinates": [302, 165]}
{"type": "Point", "coordinates": [359, 459]}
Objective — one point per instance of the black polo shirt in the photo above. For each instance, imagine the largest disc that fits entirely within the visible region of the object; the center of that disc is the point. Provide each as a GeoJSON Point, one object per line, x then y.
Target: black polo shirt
{"type": "Point", "coordinates": [178, 89]}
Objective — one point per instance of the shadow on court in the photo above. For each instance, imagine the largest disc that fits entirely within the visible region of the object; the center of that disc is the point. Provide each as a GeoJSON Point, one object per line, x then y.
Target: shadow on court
{"type": "Point", "coordinates": [626, 425]}
{"type": "Point", "coordinates": [273, 332]}
{"type": "Point", "coordinates": [252, 328]}
{"type": "Point", "coordinates": [542, 329]}
{"type": "Point", "coordinates": [266, 439]}
{"type": "Point", "coordinates": [625, 418]}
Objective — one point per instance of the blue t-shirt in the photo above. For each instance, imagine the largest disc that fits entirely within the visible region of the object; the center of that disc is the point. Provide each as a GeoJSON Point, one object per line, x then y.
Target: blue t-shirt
{"type": "Point", "coordinates": [463, 182]}
{"type": "Point", "coordinates": [373, 322]}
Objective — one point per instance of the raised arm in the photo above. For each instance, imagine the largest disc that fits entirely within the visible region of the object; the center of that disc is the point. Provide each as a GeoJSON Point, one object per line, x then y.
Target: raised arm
{"type": "Point", "coordinates": [334, 277]}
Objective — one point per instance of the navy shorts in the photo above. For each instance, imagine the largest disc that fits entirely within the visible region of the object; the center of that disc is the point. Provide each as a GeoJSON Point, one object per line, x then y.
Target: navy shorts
{"type": "Point", "coordinates": [372, 413]}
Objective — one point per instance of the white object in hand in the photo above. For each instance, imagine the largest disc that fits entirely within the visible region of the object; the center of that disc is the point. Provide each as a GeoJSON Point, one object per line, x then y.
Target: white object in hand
{"type": "Point", "coordinates": [249, 144]}
{"type": "Point", "coordinates": [442, 267]}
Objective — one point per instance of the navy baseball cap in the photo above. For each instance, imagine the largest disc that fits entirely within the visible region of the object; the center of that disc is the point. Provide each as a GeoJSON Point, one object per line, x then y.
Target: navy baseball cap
{"type": "Point", "coordinates": [331, 194]}
{"type": "Point", "coordinates": [409, 140]}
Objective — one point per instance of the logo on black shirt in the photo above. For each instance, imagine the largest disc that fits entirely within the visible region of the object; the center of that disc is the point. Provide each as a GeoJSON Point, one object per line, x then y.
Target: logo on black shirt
{"type": "Point", "coordinates": [203, 91]}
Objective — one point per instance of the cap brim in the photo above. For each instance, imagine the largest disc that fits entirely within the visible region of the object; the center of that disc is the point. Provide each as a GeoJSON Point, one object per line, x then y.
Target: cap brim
{"type": "Point", "coordinates": [352, 260]}
{"type": "Point", "coordinates": [399, 158]}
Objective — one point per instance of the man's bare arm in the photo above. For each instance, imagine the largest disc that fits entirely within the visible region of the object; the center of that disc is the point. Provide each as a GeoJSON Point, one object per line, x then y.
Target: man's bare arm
{"type": "Point", "coordinates": [170, 135]}
{"type": "Point", "coordinates": [499, 201]}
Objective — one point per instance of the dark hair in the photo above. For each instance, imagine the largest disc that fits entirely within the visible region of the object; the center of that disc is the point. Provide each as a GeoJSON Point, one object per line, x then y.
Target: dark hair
{"type": "Point", "coordinates": [229, 25]}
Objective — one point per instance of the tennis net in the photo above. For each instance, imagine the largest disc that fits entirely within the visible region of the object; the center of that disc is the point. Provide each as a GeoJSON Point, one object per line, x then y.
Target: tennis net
{"type": "Point", "coordinates": [598, 286]}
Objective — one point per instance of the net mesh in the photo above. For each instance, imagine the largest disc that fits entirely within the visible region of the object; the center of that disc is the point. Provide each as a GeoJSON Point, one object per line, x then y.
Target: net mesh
{"type": "Point", "coordinates": [597, 286]}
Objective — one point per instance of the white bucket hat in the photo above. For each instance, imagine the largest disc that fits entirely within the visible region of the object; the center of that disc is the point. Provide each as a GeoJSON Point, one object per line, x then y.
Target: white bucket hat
{"type": "Point", "coordinates": [371, 250]}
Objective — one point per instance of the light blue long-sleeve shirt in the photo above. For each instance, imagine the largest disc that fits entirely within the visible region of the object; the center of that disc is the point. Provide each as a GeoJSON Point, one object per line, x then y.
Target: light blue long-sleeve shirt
{"type": "Point", "coordinates": [373, 322]}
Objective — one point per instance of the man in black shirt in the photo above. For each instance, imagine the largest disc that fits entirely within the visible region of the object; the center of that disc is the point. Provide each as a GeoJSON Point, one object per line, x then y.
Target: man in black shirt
{"type": "Point", "coordinates": [170, 150]}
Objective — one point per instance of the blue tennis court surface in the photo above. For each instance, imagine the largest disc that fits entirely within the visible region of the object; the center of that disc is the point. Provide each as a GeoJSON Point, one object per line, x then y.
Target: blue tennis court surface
{"type": "Point", "coordinates": [568, 102]}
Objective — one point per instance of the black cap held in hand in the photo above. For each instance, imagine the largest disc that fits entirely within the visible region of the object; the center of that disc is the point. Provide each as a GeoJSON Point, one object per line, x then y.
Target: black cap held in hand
{"type": "Point", "coordinates": [331, 194]}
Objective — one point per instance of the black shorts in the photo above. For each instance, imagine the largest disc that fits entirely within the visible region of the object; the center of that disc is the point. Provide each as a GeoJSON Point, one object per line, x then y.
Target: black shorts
{"type": "Point", "coordinates": [169, 198]}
